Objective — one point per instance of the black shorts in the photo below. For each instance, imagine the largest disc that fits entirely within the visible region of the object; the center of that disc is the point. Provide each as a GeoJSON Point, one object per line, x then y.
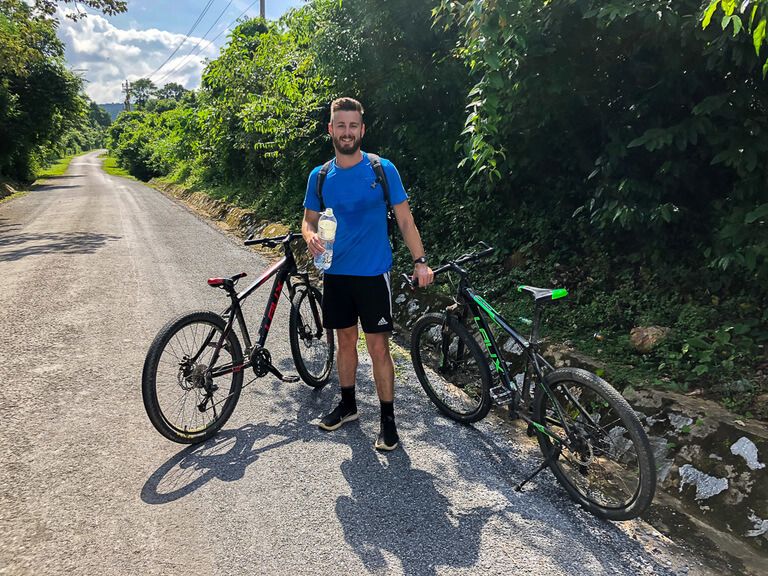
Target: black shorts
{"type": "Point", "coordinates": [347, 298]}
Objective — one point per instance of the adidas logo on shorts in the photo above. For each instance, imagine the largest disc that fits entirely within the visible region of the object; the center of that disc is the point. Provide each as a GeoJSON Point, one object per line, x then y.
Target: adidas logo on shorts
{"type": "Point", "coordinates": [383, 322]}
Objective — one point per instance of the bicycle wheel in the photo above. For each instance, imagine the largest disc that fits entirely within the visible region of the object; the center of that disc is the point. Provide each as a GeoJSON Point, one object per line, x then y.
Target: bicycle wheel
{"type": "Point", "coordinates": [451, 367]}
{"type": "Point", "coordinates": [606, 463]}
{"type": "Point", "coordinates": [312, 346]}
{"type": "Point", "coordinates": [187, 398]}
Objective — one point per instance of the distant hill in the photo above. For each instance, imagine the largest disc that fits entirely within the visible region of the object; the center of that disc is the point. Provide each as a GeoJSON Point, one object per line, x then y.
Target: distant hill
{"type": "Point", "coordinates": [113, 109]}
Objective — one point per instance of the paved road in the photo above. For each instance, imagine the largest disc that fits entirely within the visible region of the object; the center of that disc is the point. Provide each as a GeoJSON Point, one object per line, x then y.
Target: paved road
{"type": "Point", "coordinates": [90, 267]}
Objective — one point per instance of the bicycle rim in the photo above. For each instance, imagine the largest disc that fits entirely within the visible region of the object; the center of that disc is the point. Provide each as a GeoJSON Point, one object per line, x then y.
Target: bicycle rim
{"type": "Point", "coordinates": [605, 462]}
{"type": "Point", "coordinates": [312, 345]}
{"type": "Point", "coordinates": [183, 384]}
{"type": "Point", "coordinates": [450, 368]}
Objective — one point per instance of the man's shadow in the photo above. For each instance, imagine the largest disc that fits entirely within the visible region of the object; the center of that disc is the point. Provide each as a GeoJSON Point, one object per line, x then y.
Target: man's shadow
{"type": "Point", "coordinates": [398, 509]}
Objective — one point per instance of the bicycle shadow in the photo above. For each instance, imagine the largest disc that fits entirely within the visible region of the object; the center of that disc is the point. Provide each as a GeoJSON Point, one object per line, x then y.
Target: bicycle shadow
{"type": "Point", "coordinates": [224, 457]}
{"type": "Point", "coordinates": [542, 515]}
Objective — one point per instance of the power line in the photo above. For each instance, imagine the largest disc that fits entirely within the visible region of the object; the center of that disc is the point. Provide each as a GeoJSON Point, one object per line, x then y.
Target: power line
{"type": "Point", "coordinates": [210, 41]}
{"type": "Point", "coordinates": [192, 29]}
{"type": "Point", "coordinates": [184, 58]}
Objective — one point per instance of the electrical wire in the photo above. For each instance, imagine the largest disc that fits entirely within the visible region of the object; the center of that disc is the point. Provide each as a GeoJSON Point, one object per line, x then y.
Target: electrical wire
{"type": "Point", "coordinates": [186, 36]}
{"type": "Point", "coordinates": [184, 60]}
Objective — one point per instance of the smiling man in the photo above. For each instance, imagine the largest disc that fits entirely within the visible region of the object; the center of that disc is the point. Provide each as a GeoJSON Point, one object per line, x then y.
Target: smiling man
{"type": "Point", "coordinates": [357, 285]}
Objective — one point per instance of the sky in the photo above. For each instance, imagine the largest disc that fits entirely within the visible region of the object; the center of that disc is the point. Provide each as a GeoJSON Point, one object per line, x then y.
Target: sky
{"type": "Point", "coordinates": [107, 50]}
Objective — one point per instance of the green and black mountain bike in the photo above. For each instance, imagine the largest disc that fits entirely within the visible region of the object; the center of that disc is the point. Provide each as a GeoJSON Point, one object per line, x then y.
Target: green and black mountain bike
{"type": "Point", "coordinates": [591, 438]}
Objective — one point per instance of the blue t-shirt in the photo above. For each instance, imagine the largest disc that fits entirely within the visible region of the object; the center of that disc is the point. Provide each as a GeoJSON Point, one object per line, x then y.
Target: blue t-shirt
{"type": "Point", "coordinates": [362, 246]}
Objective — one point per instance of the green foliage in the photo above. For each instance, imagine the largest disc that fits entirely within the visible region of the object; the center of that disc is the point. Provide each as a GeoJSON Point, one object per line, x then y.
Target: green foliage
{"type": "Point", "coordinates": [43, 113]}
{"type": "Point", "coordinates": [627, 116]}
{"type": "Point", "coordinates": [141, 91]}
{"type": "Point", "coordinates": [614, 148]}
{"type": "Point", "coordinates": [58, 168]}
{"type": "Point", "coordinates": [751, 18]}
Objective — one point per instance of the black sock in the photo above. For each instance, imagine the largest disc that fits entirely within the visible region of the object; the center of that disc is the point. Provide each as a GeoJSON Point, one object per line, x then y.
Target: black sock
{"type": "Point", "coordinates": [387, 410]}
{"type": "Point", "coordinates": [348, 398]}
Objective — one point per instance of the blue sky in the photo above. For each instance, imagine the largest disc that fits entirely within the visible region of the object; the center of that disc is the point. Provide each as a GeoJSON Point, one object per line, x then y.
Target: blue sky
{"type": "Point", "coordinates": [105, 51]}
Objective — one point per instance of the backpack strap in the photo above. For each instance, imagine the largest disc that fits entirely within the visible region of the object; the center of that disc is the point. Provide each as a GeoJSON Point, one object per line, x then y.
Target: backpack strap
{"type": "Point", "coordinates": [320, 181]}
{"type": "Point", "coordinates": [381, 178]}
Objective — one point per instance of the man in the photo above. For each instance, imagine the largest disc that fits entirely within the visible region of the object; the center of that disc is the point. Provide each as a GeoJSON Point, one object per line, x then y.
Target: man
{"type": "Point", "coordinates": [357, 285]}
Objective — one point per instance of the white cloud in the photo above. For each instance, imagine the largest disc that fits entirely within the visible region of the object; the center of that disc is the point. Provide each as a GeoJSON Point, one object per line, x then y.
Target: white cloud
{"type": "Point", "coordinates": [106, 56]}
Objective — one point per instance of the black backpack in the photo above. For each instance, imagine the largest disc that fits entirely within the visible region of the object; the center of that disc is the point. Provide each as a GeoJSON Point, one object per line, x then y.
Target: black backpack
{"type": "Point", "coordinates": [381, 178]}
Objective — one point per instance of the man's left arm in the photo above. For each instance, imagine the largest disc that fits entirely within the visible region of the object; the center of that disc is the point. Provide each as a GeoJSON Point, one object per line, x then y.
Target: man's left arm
{"type": "Point", "coordinates": [412, 239]}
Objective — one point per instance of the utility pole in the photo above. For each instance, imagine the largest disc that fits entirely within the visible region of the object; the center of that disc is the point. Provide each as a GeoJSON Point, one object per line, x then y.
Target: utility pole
{"type": "Point", "coordinates": [127, 90]}
{"type": "Point", "coordinates": [262, 8]}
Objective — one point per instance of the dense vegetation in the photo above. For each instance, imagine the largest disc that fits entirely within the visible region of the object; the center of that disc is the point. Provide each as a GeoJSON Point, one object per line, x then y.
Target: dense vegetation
{"type": "Point", "coordinates": [617, 148]}
{"type": "Point", "coordinates": [44, 113]}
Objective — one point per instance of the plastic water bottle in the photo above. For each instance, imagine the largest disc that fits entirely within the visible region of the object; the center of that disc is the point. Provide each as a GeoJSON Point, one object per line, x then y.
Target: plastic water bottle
{"type": "Point", "coordinates": [326, 229]}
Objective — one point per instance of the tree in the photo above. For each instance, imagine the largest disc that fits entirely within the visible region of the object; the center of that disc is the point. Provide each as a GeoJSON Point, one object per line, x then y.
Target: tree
{"type": "Point", "coordinates": [171, 91]}
{"type": "Point", "coordinates": [142, 90]}
{"type": "Point", "coordinates": [109, 7]}
{"type": "Point", "coordinates": [753, 19]}
{"type": "Point", "coordinates": [98, 115]}
{"type": "Point", "coordinates": [40, 99]}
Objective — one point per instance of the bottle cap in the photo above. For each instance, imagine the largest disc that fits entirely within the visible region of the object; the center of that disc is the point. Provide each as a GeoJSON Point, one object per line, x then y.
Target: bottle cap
{"type": "Point", "coordinates": [329, 211]}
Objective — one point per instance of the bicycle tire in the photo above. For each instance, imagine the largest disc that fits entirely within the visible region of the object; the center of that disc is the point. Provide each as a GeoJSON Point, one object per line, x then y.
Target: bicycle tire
{"type": "Point", "coordinates": [312, 354]}
{"type": "Point", "coordinates": [459, 382]}
{"type": "Point", "coordinates": [172, 398]}
{"type": "Point", "coordinates": [609, 469]}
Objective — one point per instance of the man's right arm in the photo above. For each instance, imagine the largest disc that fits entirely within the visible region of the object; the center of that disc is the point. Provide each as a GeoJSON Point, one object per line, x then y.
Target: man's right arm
{"type": "Point", "coordinates": [309, 232]}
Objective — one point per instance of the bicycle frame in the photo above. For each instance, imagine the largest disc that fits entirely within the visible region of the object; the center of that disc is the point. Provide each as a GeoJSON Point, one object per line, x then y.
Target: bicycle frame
{"type": "Point", "coordinates": [282, 270]}
{"type": "Point", "coordinates": [481, 310]}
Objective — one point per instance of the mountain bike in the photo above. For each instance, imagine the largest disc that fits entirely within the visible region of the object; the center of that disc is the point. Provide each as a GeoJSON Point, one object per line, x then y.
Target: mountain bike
{"type": "Point", "coordinates": [194, 370]}
{"type": "Point", "coordinates": [590, 437]}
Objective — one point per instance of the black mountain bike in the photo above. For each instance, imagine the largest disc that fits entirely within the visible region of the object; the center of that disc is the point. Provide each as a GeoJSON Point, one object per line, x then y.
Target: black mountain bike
{"type": "Point", "coordinates": [591, 438]}
{"type": "Point", "coordinates": [194, 369]}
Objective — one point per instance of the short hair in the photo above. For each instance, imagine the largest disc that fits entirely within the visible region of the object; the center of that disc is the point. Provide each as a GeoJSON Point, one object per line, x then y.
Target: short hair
{"type": "Point", "coordinates": [346, 104]}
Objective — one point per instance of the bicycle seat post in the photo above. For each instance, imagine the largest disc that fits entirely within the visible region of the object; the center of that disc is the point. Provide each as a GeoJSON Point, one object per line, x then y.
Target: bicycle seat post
{"type": "Point", "coordinates": [535, 330]}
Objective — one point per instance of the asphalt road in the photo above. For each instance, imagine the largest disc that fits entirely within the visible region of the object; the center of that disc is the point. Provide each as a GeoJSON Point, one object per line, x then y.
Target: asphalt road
{"type": "Point", "coordinates": [91, 266]}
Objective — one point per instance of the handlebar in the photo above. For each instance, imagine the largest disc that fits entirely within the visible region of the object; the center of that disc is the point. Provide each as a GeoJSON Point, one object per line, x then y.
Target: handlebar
{"type": "Point", "coordinates": [272, 242]}
{"type": "Point", "coordinates": [455, 265]}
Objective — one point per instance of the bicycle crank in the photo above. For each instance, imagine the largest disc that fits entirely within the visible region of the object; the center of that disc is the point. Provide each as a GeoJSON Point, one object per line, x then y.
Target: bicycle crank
{"type": "Point", "coordinates": [261, 362]}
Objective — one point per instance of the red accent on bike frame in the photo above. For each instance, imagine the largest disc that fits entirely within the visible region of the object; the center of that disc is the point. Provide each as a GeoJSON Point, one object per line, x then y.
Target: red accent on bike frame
{"type": "Point", "coordinates": [273, 306]}
{"type": "Point", "coordinates": [236, 369]}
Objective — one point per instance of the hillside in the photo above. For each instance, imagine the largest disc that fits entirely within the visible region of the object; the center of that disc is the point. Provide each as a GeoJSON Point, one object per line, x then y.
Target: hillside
{"type": "Point", "coordinates": [113, 108]}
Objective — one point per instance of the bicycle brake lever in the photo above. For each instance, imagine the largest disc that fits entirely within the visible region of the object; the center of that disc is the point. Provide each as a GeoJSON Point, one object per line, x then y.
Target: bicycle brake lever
{"type": "Point", "coordinates": [410, 282]}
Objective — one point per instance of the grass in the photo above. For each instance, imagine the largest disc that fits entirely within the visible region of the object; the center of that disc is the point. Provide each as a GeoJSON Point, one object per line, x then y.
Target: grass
{"type": "Point", "coordinates": [17, 194]}
{"type": "Point", "coordinates": [56, 169]}
{"type": "Point", "coordinates": [110, 167]}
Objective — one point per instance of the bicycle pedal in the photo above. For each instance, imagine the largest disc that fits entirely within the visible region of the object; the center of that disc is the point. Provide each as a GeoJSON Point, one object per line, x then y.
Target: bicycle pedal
{"type": "Point", "coordinates": [290, 378]}
{"type": "Point", "coordinates": [502, 396]}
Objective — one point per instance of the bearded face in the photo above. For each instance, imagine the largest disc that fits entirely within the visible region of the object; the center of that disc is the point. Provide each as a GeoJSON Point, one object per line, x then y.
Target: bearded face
{"type": "Point", "coordinates": [347, 129]}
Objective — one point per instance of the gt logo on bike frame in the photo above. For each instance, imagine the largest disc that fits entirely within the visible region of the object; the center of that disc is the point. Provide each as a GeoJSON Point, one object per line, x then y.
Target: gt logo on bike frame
{"type": "Point", "coordinates": [488, 345]}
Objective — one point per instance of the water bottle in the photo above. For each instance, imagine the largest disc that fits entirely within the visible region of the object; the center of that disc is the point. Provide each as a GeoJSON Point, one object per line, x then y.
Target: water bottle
{"type": "Point", "coordinates": [326, 229]}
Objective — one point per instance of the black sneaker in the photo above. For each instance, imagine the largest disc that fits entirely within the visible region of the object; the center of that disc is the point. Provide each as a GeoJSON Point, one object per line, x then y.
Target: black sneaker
{"type": "Point", "coordinates": [388, 438]}
{"type": "Point", "coordinates": [340, 415]}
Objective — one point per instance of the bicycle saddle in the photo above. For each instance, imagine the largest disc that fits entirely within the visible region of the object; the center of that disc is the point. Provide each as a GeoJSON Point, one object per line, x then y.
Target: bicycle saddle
{"type": "Point", "coordinates": [226, 282]}
{"type": "Point", "coordinates": [544, 293]}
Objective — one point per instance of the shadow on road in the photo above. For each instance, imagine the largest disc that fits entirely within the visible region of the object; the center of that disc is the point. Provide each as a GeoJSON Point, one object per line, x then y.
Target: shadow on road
{"type": "Point", "coordinates": [45, 179]}
{"type": "Point", "coordinates": [51, 187]}
{"type": "Point", "coordinates": [396, 508]}
{"type": "Point", "coordinates": [223, 457]}
{"type": "Point", "coordinates": [15, 246]}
